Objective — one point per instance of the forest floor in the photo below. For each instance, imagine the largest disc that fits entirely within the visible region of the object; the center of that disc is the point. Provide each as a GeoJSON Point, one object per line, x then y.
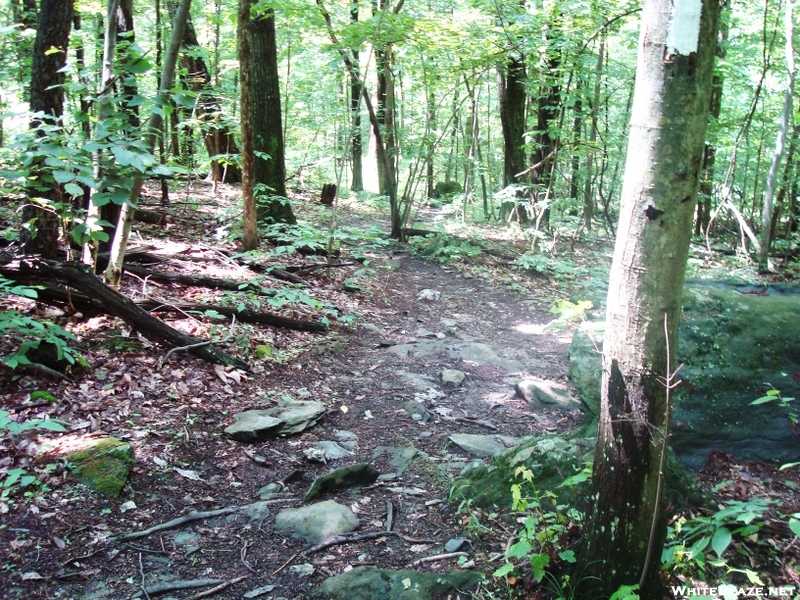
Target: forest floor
{"type": "Point", "coordinates": [173, 410]}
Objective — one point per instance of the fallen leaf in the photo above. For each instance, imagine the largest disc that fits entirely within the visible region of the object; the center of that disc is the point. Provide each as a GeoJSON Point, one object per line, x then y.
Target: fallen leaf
{"type": "Point", "coordinates": [368, 414]}
{"type": "Point", "coordinates": [193, 475]}
{"type": "Point", "coordinates": [59, 543]}
{"type": "Point", "coordinates": [419, 548]}
{"type": "Point", "coordinates": [30, 575]}
{"type": "Point", "coordinates": [221, 373]}
{"type": "Point", "coordinates": [343, 408]}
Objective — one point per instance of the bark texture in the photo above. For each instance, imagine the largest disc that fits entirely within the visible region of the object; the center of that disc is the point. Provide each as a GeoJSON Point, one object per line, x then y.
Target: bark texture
{"type": "Point", "coordinates": [249, 227]}
{"type": "Point", "coordinates": [625, 530]}
{"type": "Point", "coordinates": [265, 119]}
{"type": "Point", "coordinates": [47, 97]}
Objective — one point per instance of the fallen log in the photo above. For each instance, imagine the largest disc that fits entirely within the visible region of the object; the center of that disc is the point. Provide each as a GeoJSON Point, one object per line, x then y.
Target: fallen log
{"type": "Point", "coordinates": [49, 293]}
{"type": "Point", "coordinates": [199, 281]}
{"type": "Point", "coordinates": [77, 276]}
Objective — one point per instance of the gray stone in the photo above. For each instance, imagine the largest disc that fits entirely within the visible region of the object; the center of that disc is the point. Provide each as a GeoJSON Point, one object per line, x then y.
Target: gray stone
{"type": "Point", "coordinates": [428, 294]}
{"type": "Point", "coordinates": [545, 394]}
{"type": "Point", "coordinates": [457, 545]}
{"type": "Point", "coordinates": [452, 378]}
{"type": "Point", "coordinates": [352, 476]}
{"type": "Point", "coordinates": [371, 327]}
{"type": "Point", "coordinates": [484, 445]}
{"type": "Point", "coordinates": [285, 419]}
{"type": "Point", "coordinates": [331, 450]}
{"type": "Point", "coordinates": [731, 345]}
{"type": "Point", "coordinates": [317, 522]}
{"type": "Point", "coordinates": [303, 570]}
{"type": "Point", "coordinates": [486, 355]}
{"type": "Point", "coordinates": [401, 456]}
{"type": "Point", "coordinates": [413, 408]}
{"type": "Point", "coordinates": [347, 439]}
{"type": "Point", "coordinates": [367, 583]}
{"type": "Point", "coordinates": [418, 380]}
{"type": "Point", "coordinates": [270, 491]}
{"type": "Point", "coordinates": [258, 511]}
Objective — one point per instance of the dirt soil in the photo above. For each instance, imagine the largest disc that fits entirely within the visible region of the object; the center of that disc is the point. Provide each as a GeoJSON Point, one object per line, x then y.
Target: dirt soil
{"type": "Point", "coordinates": [173, 412]}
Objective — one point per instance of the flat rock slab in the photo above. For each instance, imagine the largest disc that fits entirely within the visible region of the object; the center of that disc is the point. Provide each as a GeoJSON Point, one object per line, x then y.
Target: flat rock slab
{"type": "Point", "coordinates": [317, 522]}
{"type": "Point", "coordinates": [346, 477]}
{"type": "Point", "coordinates": [452, 378]}
{"type": "Point", "coordinates": [545, 394]}
{"type": "Point", "coordinates": [475, 352]}
{"type": "Point", "coordinates": [367, 583]}
{"type": "Point", "coordinates": [484, 445]}
{"type": "Point", "coordinates": [285, 419]}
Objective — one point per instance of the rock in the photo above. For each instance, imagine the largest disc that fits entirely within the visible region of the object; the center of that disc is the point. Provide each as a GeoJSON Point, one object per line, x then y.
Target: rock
{"type": "Point", "coordinates": [486, 355]}
{"type": "Point", "coordinates": [457, 545]}
{"type": "Point", "coordinates": [331, 450]}
{"type": "Point", "coordinates": [270, 491]}
{"type": "Point", "coordinates": [731, 345]}
{"type": "Point", "coordinates": [413, 408]}
{"type": "Point", "coordinates": [347, 439]}
{"type": "Point", "coordinates": [484, 445]}
{"type": "Point", "coordinates": [104, 465]}
{"type": "Point", "coordinates": [352, 476]}
{"type": "Point", "coordinates": [371, 327]}
{"type": "Point", "coordinates": [368, 583]}
{"type": "Point", "coordinates": [452, 378]}
{"type": "Point", "coordinates": [428, 294]}
{"type": "Point", "coordinates": [545, 394]}
{"type": "Point", "coordinates": [550, 458]}
{"type": "Point", "coordinates": [317, 522]}
{"type": "Point", "coordinates": [401, 457]}
{"type": "Point", "coordinates": [303, 570]}
{"type": "Point", "coordinates": [258, 511]}
{"type": "Point", "coordinates": [420, 381]}
{"type": "Point", "coordinates": [285, 419]}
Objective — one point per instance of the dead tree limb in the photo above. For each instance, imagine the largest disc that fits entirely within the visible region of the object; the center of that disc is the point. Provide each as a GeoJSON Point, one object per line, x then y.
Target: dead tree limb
{"type": "Point", "coordinates": [77, 276]}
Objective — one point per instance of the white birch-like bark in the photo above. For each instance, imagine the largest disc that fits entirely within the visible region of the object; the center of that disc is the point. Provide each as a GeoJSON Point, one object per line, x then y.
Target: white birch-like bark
{"type": "Point", "coordinates": [780, 144]}
{"type": "Point", "coordinates": [89, 255]}
{"type": "Point", "coordinates": [113, 273]}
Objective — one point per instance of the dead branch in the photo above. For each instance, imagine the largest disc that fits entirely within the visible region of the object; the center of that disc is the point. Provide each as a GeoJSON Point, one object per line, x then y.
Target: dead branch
{"type": "Point", "coordinates": [222, 586]}
{"type": "Point", "coordinates": [346, 539]}
{"type": "Point", "coordinates": [435, 558]}
{"type": "Point", "coordinates": [169, 586]}
{"type": "Point", "coordinates": [76, 275]}
{"type": "Point", "coordinates": [195, 516]}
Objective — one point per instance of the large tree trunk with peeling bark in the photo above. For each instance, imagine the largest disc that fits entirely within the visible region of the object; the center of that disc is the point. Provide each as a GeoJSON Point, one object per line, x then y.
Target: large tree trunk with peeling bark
{"type": "Point", "coordinates": [625, 530]}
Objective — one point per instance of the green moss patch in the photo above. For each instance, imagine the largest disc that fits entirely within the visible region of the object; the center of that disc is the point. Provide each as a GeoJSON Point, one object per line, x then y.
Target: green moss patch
{"type": "Point", "coordinates": [103, 466]}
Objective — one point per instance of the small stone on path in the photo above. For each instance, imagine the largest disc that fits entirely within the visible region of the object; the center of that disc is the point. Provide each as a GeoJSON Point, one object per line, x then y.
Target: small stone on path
{"type": "Point", "coordinates": [452, 378]}
{"type": "Point", "coordinates": [484, 445]}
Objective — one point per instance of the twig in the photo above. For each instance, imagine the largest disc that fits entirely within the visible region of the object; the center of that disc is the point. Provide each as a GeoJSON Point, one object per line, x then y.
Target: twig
{"type": "Point", "coordinates": [345, 539]}
{"type": "Point", "coordinates": [389, 515]}
{"type": "Point", "coordinates": [199, 344]}
{"type": "Point", "coordinates": [218, 588]}
{"type": "Point", "coordinates": [284, 565]}
{"type": "Point", "coordinates": [487, 424]}
{"type": "Point", "coordinates": [168, 586]}
{"type": "Point", "coordinates": [196, 516]}
{"type": "Point", "coordinates": [435, 558]}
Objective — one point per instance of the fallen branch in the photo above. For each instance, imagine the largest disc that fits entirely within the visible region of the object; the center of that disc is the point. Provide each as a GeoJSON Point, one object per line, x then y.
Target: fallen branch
{"type": "Point", "coordinates": [222, 586]}
{"type": "Point", "coordinates": [435, 558]}
{"type": "Point", "coordinates": [345, 539]}
{"type": "Point", "coordinates": [195, 516]}
{"type": "Point", "coordinates": [76, 275]}
{"type": "Point", "coordinates": [169, 586]}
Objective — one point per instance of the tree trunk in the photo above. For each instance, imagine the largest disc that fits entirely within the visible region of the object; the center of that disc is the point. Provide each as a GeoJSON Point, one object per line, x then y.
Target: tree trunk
{"type": "Point", "coordinates": [772, 178]}
{"type": "Point", "coordinates": [626, 527]}
{"type": "Point", "coordinates": [265, 120]}
{"type": "Point", "coordinates": [356, 146]}
{"type": "Point", "coordinates": [250, 220]}
{"type": "Point", "coordinates": [47, 102]}
{"type": "Point", "coordinates": [217, 136]}
{"type": "Point", "coordinates": [114, 271]}
{"type": "Point", "coordinates": [511, 98]}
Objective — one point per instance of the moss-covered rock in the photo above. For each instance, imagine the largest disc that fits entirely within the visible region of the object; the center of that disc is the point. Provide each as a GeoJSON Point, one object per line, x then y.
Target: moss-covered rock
{"type": "Point", "coordinates": [104, 465]}
{"type": "Point", "coordinates": [733, 347]}
{"type": "Point", "coordinates": [551, 459]}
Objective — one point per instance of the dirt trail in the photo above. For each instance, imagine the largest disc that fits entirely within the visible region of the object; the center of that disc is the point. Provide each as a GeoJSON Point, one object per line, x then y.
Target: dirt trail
{"type": "Point", "coordinates": [418, 319]}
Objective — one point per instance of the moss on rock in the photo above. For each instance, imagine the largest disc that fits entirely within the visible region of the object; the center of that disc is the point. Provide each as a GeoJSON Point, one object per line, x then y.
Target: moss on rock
{"type": "Point", "coordinates": [104, 466]}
